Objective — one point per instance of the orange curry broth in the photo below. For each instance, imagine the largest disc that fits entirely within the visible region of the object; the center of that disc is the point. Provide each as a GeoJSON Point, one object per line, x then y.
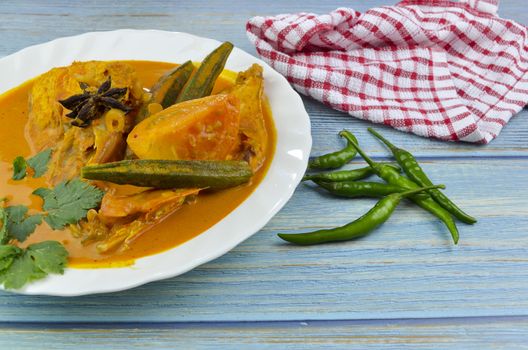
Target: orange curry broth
{"type": "Point", "coordinates": [186, 223]}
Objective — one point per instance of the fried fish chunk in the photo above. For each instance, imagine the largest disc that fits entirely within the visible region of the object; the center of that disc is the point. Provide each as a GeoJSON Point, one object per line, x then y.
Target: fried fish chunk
{"type": "Point", "coordinates": [253, 136]}
{"type": "Point", "coordinates": [48, 126]}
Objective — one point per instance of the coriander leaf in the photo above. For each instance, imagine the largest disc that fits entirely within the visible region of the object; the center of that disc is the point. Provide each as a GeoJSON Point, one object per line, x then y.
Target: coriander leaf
{"type": "Point", "coordinates": [39, 162]}
{"type": "Point", "coordinates": [19, 267]}
{"type": "Point", "coordinates": [21, 271]}
{"type": "Point", "coordinates": [49, 256]}
{"type": "Point", "coordinates": [68, 202]}
{"type": "Point", "coordinates": [8, 253]}
{"type": "Point", "coordinates": [19, 168]}
{"type": "Point", "coordinates": [4, 235]}
{"type": "Point", "coordinates": [19, 225]}
{"type": "Point", "coordinates": [47, 195]}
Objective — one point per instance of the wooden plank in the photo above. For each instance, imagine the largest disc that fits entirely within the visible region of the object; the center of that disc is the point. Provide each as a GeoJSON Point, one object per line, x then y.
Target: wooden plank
{"type": "Point", "coordinates": [468, 334]}
{"type": "Point", "coordinates": [25, 24]}
{"type": "Point", "coordinates": [326, 123]}
{"type": "Point", "coordinates": [407, 268]}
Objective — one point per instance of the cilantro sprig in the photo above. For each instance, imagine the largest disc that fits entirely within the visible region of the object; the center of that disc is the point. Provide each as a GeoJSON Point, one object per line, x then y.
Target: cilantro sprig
{"type": "Point", "coordinates": [67, 203]}
{"type": "Point", "coordinates": [21, 266]}
{"type": "Point", "coordinates": [19, 168]}
{"type": "Point", "coordinates": [19, 224]}
{"type": "Point", "coordinates": [4, 235]}
{"type": "Point", "coordinates": [39, 164]}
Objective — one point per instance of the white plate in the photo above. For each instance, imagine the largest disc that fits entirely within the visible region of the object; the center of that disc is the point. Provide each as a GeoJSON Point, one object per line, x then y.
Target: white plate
{"type": "Point", "coordinates": [289, 162]}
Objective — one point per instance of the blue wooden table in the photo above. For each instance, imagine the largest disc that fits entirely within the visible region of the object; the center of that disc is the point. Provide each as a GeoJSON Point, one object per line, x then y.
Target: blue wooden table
{"type": "Point", "coordinates": [406, 286]}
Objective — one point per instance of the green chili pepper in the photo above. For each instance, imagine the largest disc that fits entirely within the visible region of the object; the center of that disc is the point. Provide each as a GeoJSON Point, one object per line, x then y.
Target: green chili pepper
{"type": "Point", "coordinates": [354, 189]}
{"type": "Point", "coordinates": [392, 177]}
{"type": "Point", "coordinates": [358, 228]}
{"type": "Point", "coordinates": [345, 175]}
{"type": "Point", "coordinates": [337, 159]}
{"type": "Point", "coordinates": [415, 172]}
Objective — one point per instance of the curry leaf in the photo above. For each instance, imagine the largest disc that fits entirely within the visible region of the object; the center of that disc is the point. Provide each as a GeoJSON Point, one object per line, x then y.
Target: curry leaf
{"type": "Point", "coordinates": [19, 168]}
{"type": "Point", "coordinates": [19, 224]}
{"type": "Point", "coordinates": [68, 202]}
{"type": "Point", "coordinates": [39, 162]}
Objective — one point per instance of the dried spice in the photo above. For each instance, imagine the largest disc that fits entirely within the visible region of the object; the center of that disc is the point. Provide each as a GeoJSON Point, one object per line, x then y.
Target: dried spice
{"type": "Point", "coordinates": [90, 105]}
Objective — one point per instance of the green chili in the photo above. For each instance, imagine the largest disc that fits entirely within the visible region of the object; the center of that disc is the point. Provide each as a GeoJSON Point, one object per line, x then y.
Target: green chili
{"type": "Point", "coordinates": [358, 228]}
{"type": "Point", "coordinates": [392, 177]}
{"type": "Point", "coordinates": [413, 170]}
{"type": "Point", "coordinates": [337, 159]}
{"type": "Point", "coordinates": [344, 175]}
{"type": "Point", "coordinates": [354, 189]}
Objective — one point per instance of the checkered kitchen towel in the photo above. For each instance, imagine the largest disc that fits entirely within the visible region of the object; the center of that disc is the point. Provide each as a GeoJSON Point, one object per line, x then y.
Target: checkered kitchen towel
{"type": "Point", "coordinates": [437, 68]}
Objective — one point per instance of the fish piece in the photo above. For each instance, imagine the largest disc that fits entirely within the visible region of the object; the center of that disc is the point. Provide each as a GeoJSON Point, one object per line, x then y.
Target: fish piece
{"type": "Point", "coordinates": [131, 215]}
{"type": "Point", "coordinates": [127, 212]}
{"type": "Point", "coordinates": [69, 155]}
{"type": "Point", "coordinates": [205, 128]}
{"type": "Point", "coordinates": [48, 126]}
{"type": "Point", "coordinates": [116, 207]}
{"type": "Point", "coordinates": [253, 137]}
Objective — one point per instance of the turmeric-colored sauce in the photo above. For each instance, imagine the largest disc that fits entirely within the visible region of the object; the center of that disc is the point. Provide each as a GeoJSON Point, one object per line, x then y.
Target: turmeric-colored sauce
{"type": "Point", "coordinates": [184, 224]}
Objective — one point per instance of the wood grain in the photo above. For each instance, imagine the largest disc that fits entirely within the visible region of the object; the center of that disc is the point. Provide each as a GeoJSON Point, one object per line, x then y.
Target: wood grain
{"type": "Point", "coordinates": [468, 334]}
{"type": "Point", "coordinates": [353, 294]}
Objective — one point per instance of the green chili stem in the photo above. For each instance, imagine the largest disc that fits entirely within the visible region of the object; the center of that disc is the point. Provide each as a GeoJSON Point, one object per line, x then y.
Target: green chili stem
{"type": "Point", "coordinates": [421, 189]}
{"type": "Point", "coordinates": [360, 151]}
{"type": "Point", "coordinates": [415, 172]}
{"type": "Point", "coordinates": [387, 143]}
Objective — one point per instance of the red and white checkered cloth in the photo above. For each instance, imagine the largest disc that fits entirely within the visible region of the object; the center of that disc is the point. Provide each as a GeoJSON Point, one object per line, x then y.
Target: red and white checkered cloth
{"type": "Point", "coordinates": [437, 68]}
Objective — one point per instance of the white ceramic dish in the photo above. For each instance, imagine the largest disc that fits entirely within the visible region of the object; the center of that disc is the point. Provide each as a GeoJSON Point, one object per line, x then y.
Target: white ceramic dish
{"type": "Point", "coordinates": [287, 167]}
